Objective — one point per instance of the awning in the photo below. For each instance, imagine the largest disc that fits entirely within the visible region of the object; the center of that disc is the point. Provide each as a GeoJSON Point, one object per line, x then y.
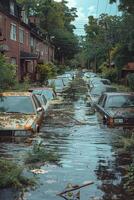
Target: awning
{"type": "Point", "coordinates": [28, 56]}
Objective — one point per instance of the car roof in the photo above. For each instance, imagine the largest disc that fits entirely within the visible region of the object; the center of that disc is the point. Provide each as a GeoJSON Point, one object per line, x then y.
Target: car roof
{"type": "Point", "coordinates": [118, 93]}
{"type": "Point", "coordinates": [15, 94]}
{"type": "Point", "coordinates": [40, 88]}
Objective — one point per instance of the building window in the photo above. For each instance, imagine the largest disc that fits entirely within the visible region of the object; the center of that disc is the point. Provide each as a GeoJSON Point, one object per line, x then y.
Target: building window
{"type": "Point", "coordinates": [24, 16]}
{"type": "Point", "coordinates": [27, 39]}
{"type": "Point", "coordinates": [13, 32]}
{"type": "Point", "coordinates": [13, 61]}
{"type": "Point", "coordinates": [21, 35]}
{"type": "Point", "coordinates": [12, 8]}
{"type": "Point", "coordinates": [31, 41]}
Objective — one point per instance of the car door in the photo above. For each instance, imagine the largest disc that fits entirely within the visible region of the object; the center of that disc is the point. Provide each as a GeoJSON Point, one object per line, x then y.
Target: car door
{"type": "Point", "coordinates": [100, 106]}
{"type": "Point", "coordinates": [39, 110]}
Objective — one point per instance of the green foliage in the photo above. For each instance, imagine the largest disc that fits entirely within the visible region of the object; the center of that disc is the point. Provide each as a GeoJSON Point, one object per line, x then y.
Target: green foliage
{"type": "Point", "coordinates": [125, 5]}
{"type": "Point", "coordinates": [121, 88]}
{"type": "Point", "coordinates": [40, 155]}
{"type": "Point", "coordinates": [46, 71]}
{"type": "Point", "coordinates": [56, 22]}
{"type": "Point", "coordinates": [24, 86]}
{"type": "Point", "coordinates": [101, 36]}
{"type": "Point", "coordinates": [109, 72]}
{"type": "Point", "coordinates": [127, 143]}
{"type": "Point", "coordinates": [129, 183]}
{"type": "Point", "coordinates": [7, 73]}
{"type": "Point", "coordinates": [61, 69]}
{"type": "Point", "coordinates": [11, 175]}
{"type": "Point", "coordinates": [131, 81]}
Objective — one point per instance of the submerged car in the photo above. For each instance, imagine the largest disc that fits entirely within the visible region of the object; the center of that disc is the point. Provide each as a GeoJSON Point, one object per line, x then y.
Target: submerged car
{"type": "Point", "coordinates": [97, 91]}
{"type": "Point", "coordinates": [45, 95]}
{"type": "Point", "coordinates": [116, 109]}
{"type": "Point", "coordinates": [98, 80]}
{"type": "Point", "coordinates": [20, 113]}
{"type": "Point", "coordinates": [57, 84]}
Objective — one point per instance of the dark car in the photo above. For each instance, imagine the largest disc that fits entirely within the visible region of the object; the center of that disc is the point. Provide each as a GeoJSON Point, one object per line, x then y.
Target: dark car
{"type": "Point", "coordinates": [116, 109]}
{"type": "Point", "coordinates": [96, 92]}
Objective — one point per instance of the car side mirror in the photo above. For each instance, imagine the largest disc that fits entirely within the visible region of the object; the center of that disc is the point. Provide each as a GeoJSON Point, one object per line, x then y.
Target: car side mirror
{"type": "Point", "coordinates": [39, 109]}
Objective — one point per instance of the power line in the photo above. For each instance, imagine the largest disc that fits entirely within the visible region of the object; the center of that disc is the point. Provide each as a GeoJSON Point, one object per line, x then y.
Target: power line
{"type": "Point", "coordinates": [117, 8]}
{"type": "Point", "coordinates": [97, 7]}
{"type": "Point", "coordinates": [106, 6]}
{"type": "Point", "coordinates": [110, 9]}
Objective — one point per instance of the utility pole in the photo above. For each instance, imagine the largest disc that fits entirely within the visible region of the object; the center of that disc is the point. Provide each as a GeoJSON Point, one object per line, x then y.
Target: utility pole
{"type": "Point", "coordinates": [108, 42]}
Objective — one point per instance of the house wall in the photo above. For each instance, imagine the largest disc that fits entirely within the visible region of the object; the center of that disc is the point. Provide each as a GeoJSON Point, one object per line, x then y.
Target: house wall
{"type": "Point", "coordinates": [43, 49]}
{"type": "Point", "coordinates": [13, 47]}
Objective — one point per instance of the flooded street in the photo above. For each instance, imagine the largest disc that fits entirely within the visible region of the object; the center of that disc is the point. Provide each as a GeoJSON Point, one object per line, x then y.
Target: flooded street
{"type": "Point", "coordinates": [85, 152]}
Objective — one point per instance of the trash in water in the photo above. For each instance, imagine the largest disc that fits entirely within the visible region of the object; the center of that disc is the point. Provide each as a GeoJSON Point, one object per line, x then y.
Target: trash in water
{"type": "Point", "coordinates": [70, 191]}
{"type": "Point", "coordinates": [39, 171]}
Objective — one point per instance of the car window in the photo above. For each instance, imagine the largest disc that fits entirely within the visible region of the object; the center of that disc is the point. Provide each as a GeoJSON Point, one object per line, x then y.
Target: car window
{"type": "Point", "coordinates": [119, 101]}
{"type": "Point", "coordinates": [97, 90]}
{"type": "Point", "coordinates": [102, 100]}
{"type": "Point", "coordinates": [44, 99]}
{"type": "Point", "coordinates": [37, 101]}
{"type": "Point", "coordinates": [58, 83]}
{"type": "Point", "coordinates": [105, 82]}
{"type": "Point", "coordinates": [48, 94]}
{"type": "Point", "coordinates": [110, 89]}
{"type": "Point", "coordinates": [18, 104]}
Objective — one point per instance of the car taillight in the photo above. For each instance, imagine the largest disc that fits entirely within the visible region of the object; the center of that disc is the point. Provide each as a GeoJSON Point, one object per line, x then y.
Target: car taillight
{"type": "Point", "coordinates": [111, 121]}
{"type": "Point", "coordinates": [28, 127]}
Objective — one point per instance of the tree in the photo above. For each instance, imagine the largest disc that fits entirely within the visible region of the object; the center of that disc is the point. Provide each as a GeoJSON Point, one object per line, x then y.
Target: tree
{"type": "Point", "coordinates": [7, 73]}
{"type": "Point", "coordinates": [125, 5]}
{"type": "Point", "coordinates": [56, 22]}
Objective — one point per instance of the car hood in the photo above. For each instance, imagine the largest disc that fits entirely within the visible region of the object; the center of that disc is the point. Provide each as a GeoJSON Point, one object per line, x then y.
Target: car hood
{"type": "Point", "coordinates": [16, 121]}
{"type": "Point", "coordinates": [121, 112]}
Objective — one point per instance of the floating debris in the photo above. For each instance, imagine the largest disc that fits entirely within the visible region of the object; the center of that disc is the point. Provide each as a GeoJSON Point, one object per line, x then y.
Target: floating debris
{"type": "Point", "coordinates": [39, 171]}
{"type": "Point", "coordinates": [70, 191]}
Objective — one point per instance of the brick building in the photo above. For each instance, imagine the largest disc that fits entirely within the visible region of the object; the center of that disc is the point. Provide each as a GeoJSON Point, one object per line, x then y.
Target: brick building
{"type": "Point", "coordinates": [22, 41]}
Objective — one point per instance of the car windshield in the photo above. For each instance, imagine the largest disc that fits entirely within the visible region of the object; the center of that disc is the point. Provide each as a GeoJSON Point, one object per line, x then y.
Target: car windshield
{"type": "Point", "coordinates": [16, 104]}
{"type": "Point", "coordinates": [120, 101]}
{"type": "Point", "coordinates": [105, 82]}
{"type": "Point", "coordinates": [48, 94]}
{"type": "Point", "coordinates": [58, 83]}
{"type": "Point", "coordinates": [110, 89]}
{"type": "Point", "coordinates": [97, 90]}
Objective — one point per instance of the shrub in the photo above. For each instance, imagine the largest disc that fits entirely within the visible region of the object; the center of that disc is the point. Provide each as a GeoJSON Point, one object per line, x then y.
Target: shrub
{"type": "Point", "coordinates": [46, 71]}
{"type": "Point", "coordinates": [7, 73]}
{"type": "Point", "coordinates": [11, 175]}
{"type": "Point", "coordinates": [109, 72]}
{"type": "Point", "coordinates": [39, 154]}
{"type": "Point", "coordinates": [130, 79]}
{"type": "Point", "coordinates": [127, 143]}
{"type": "Point", "coordinates": [129, 183]}
{"type": "Point", "coordinates": [24, 86]}
{"type": "Point", "coordinates": [61, 69]}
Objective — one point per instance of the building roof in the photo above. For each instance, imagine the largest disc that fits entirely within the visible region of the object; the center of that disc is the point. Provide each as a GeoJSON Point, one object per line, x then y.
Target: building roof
{"type": "Point", "coordinates": [129, 67]}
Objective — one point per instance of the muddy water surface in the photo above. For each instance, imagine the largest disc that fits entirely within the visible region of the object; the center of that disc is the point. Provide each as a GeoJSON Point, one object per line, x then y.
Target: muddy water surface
{"type": "Point", "coordinates": [84, 149]}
